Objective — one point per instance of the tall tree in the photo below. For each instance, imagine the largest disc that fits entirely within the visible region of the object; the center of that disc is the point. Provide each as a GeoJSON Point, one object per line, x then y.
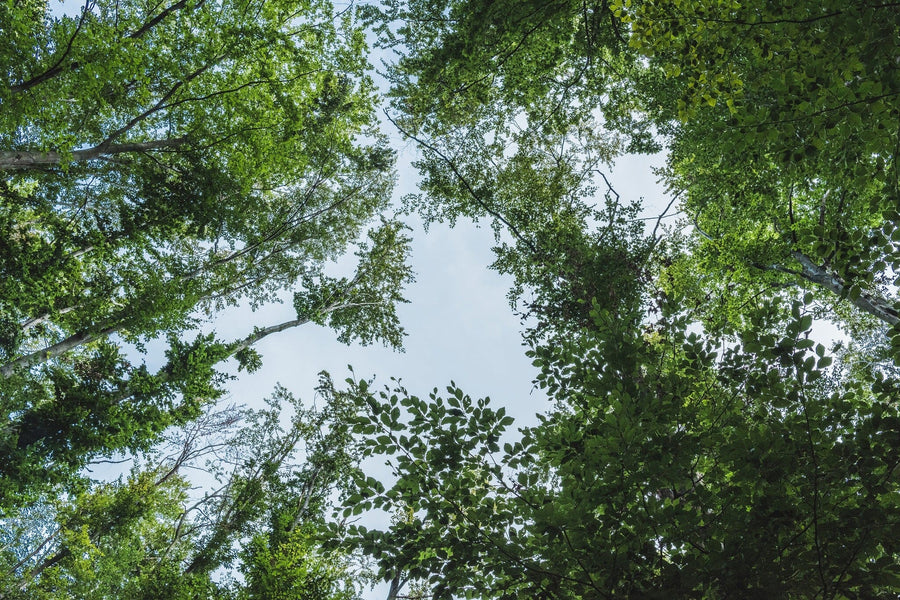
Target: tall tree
{"type": "Point", "coordinates": [498, 99]}
{"type": "Point", "coordinates": [96, 402]}
{"type": "Point", "coordinates": [159, 164]}
{"type": "Point", "coordinates": [669, 465]}
{"type": "Point", "coordinates": [223, 165]}
{"type": "Point", "coordinates": [701, 443]}
{"type": "Point", "coordinates": [781, 125]}
{"type": "Point", "coordinates": [783, 139]}
{"type": "Point", "coordinates": [150, 536]}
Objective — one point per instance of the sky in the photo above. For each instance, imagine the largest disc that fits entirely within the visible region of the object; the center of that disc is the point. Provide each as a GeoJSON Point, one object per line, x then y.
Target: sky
{"type": "Point", "coordinates": [458, 320]}
{"type": "Point", "coordinates": [459, 324]}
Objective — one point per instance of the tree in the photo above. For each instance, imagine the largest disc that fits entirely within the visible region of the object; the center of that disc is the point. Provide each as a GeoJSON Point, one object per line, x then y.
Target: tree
{"type": "Point", "coordinates": [161, 163]}
{"type": "Point", "coordinates": [783, 143]}
{"type": "Point", "coordinates": [701, 444]}
{"type": "Point", "coordinates": [147, 536]}
{"type": "Point", "coordinates": [100, 404]}
{"type": "Point", "coordinates": [251, 117]}
{"type": "Point", "coordinates": [669, 465]}
{"type": "Point", "coordinates": [260, 180]}
{"type": "Point", "coordinates": [780, 123]}
{"type": "Point", "coordinates": [496, 97]}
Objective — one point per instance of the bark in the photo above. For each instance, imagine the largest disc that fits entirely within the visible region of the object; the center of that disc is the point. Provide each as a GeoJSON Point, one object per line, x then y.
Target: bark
{"type": "Point", "coordinates": [259, 334]}
{"type": "Point", "coordinates": [161, 16]}
{"type": "Point", "coordinates": [87, 336]}
{"type": "Point", "coordinates": [396, 586]}
{"type": "Point", "coordinates": [21, 160]}
{"type": "Point", "coordinates": [875, 305]}
{"type": "Point", "coordinates": [37, 570]}
{"type": "Point", "coordinates": [58, 349]}
{"type": "Point", "coordinates": [34, 321]}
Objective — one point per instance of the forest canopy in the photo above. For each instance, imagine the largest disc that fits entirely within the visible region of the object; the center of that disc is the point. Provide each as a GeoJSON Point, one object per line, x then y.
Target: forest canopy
{"type": "Point", "coordinates": [162, 162]}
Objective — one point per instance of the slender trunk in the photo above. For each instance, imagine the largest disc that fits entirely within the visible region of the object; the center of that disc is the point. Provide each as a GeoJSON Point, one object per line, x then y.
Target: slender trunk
{"type": "Point", "coordinates": [46, 564]}
{"type": "Point", "coordinates": [21, 160]}
{"type": "Point", "coordinates": [162, 15]}
{"type": "Point", "coordinates": [873, 304]}
{"type": "Point", "coordinates": [34, 552]}
{"type": "Point", "coordinates": [259, 334]}
{"type": "Point", "coordinates": [164, 376]}
{"type": "Point", "coordinates": [84, 337]}
{"type": "Point", "coordinates": [235, 511]}
{"type": "Point", "coordinates": [396, 586]}
{"type": "Point", "coordinates": [34, 321]}
{"type": "Point", "coordinates": [87, 336]}
{"type": "Point", "coordinates": [58, 349]}
{"type": "Point", "coordinates": [307, 496]}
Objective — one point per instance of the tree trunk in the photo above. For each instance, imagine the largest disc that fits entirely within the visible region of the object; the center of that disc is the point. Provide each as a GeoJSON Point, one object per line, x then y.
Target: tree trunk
{"type": "Point", "coordinates": [394, 590]}
{"type": "Point", "coordinates": [84, 337]}
{"type": "Point", "coordinates": [22, 160]}
{"type": "Point", "coordinates": [58, 349]}
{"type": "Point", "coordinates": [873, 304]}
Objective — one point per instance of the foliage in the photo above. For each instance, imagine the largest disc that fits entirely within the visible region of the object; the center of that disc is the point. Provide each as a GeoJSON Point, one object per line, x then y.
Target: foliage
{"type": "Point", "coordinates": [498, 98]}
{"type": "Point", "coordinates": [238, 206]}
{"type": "Point", "coordinates": [780, 122]}
{"type": "Point", "coordinates": [784, 148]}
{"type": "Point", "coordinates": [161, 163]}
{"type": "Point", "coordinates": [701, 443]}
{"type": "Point", "coordinates": [730, 461]}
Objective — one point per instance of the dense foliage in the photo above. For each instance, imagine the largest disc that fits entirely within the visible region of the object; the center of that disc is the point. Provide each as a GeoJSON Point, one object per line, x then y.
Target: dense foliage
{"type": "Point", "coordinates": [669, 466]}
{"type": "Point", "coordinates": [164, 161]}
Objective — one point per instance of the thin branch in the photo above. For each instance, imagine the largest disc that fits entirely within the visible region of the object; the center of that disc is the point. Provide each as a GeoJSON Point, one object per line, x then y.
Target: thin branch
{"type": "Point", "coordinates": [159, 105]}
{"type": "Point", "coordinates": [155, 20]}
{"type": "Point", "coordinates": [34, 552]}
{"type": "Point", "coordinates": [655, 240]}
{"type": "Point", "coordinates": [512, 228]}
{"type": "Point", "coordinates": [57, 68]}
{"type": "Point", "coordinates": [791, 214]}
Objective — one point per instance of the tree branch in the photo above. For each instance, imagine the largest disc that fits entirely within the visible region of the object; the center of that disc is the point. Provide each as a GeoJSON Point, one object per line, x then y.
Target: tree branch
{"type": "Point", "coordinates": [21, 160]}
{"type": "Point", "coordinates": [512, 228]}
{"type": "Point", "coordinates": [57, 67]}
{"type": "Point", "coordinates": [873, 304]}
{"type": "Point", "coordinates": [156, 20]}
